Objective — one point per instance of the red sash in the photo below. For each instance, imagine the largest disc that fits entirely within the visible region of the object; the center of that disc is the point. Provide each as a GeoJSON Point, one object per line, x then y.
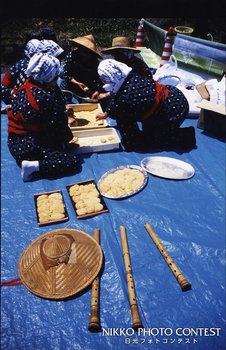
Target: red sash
{"type": "Point", "coordinates": [6, 80]}
{"type": "Point", "coordinates": [27, 87]}
{"type": "Point", "coordinates": [17, 124]}
{"type": "Point", "coordinates": [161, 94]}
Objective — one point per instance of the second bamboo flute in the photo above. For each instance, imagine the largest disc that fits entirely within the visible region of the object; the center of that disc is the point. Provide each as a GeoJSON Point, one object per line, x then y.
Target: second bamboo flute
{"type": "Point", "coordinates": [136, 322]}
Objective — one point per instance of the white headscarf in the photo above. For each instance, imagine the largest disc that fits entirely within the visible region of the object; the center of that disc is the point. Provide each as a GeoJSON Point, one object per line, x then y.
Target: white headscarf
{"type": "Point", "coordinates": [43, 67]}
{"type": "Point", "coordinates": [32, 47]}
{"type": "Point", "coordinates": [113, 74]}
{"type": "Point", "coordinates": [50, 47]}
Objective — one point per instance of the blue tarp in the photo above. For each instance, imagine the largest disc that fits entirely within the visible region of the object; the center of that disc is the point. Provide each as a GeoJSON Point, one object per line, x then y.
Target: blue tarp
{"type": "Point", "coordinates": [189, 218]}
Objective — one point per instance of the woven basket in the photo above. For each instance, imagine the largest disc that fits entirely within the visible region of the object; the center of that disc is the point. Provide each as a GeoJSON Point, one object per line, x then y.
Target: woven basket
{"type": "Point", "coordinates": [60, 263]}
{"type": "Point", "coordinates": [184, 30]}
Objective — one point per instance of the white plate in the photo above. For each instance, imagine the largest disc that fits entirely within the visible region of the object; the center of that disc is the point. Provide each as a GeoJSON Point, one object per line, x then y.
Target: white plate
{"type": "Point", "coordinates": [167, 167]}
{"type": "Point", "coordinates": [172, 80]}
{"type": "Point", "coordinates": [121, 168]}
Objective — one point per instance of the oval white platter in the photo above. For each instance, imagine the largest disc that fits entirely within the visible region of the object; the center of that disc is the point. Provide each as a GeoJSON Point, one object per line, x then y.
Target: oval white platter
{"type": "Point", "coordinates": [167, 167]}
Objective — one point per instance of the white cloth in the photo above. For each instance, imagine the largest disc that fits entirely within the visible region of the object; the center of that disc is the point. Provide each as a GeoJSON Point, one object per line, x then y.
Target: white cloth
{"type": "Point", "coordinates": [50, 47]}
{"type": "Point", "coordinates": [43, 67]}
{"type": "Point", "coordinates": [217, 90]}
{"type": "Point", "coordinates": [113, 74]}
{"type": "Point", "coordinates": [32, 47]}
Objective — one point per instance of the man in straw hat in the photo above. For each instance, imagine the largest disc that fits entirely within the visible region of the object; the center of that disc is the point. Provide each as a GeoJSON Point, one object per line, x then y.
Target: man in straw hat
{"type": "Point", "coordinates": [80, 68]}
{"type": "Point", "coordinates": [122, 51]}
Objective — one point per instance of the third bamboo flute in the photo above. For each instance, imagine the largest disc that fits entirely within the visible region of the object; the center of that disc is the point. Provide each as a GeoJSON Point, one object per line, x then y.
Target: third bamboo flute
{"type": "Point", "coordinates": [183, 282]}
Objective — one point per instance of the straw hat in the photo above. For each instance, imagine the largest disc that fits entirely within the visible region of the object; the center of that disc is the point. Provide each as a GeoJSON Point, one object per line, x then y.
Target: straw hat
{"type": "Point", "coordinates": [120, 42]}
{"type": "Point", "coordinates": [60, 263]}
{"type": "Point", "coordinates": [86, 42]}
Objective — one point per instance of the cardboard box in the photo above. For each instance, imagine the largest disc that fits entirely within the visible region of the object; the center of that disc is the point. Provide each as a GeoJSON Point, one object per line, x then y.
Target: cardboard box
{"type": "Point", "coordinates": [212, 118]}
{"type": "Point", "coordinates": [85, 114]}
{"type": "Point", "coordinates": [202, 90]}
{"type": "Point", "coordinates": [96, 140]}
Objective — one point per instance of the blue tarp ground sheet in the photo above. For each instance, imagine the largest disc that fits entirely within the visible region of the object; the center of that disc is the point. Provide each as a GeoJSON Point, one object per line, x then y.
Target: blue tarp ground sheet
{"type": "Point", "coordinates": [189, 218]}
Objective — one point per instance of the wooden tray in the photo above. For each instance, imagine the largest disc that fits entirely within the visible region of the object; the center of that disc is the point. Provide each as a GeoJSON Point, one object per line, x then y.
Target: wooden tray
{"type": "Point", "coordinates": [52, 218]}
{"type": "Point", "coordinates": [87, 214]}
{"type": "Point", "coordinates": [96, 140]}
{"type": "Point", "coordinates": [85, 114]}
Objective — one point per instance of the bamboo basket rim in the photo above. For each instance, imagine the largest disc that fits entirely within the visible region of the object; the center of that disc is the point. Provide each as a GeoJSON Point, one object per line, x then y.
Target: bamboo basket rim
{"type": "Point", "coordinates": [65, 279]}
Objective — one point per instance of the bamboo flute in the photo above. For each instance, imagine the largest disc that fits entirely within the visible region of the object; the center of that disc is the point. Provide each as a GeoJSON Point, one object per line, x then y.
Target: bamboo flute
{"type": "Point", "coordinates": [183, 282]}
{"type": "Point", "coordinates": [94, 321]}
{"type": "Point", "coordinates": [136, 321]}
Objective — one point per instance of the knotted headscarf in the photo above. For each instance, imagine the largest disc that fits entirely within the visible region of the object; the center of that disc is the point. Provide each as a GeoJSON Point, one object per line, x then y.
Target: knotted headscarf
{"type": "Point", "coordinates": [50, 47]}
{"type": "Point", "coordinates": [113, 74]}
{"type": "Point", "coordinates": [32, 47]}
{"type": "Point", "coordinates": [43, 67]}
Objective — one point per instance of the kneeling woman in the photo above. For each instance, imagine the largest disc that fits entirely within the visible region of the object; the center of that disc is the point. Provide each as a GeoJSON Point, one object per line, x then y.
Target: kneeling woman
{"type": "Point", "coordinates": [38, 131]}
{"type": "Point", "coordinates": [160, 109]}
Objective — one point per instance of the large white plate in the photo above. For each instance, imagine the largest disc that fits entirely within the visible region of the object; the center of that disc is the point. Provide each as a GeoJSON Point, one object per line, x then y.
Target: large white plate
{"type": "Point", "coordinates": [172, 80]}
{"type": "Point", "coordinates": [120, 168]}
{"type": "Point", "coordinates": [167, 167]}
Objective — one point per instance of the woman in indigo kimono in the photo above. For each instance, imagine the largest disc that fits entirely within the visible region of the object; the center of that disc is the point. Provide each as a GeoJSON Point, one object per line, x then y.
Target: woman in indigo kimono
{"type": "Point", "coordinates": [147, 113]}
{"type": "Point", "coordinates": [38, 131]}
{"type": "Point", "coordinates": [16, 75]}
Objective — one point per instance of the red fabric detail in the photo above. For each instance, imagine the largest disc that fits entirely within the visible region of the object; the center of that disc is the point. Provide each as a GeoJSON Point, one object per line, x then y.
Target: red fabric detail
{"type": "Point", "coordinates": [7, 80]}
{"type": "Point", "coordinates": [18, 125]}
{"type": "Point", "coordinates": [13, 92]}
{"type": "Point", "coordinates": [27, 86]}
{"type": "Point", "coordinates": [161, 94]}
{"type": "Point", "coordinates": [10, 283]}
{"type": "Point", "coordinates": [31, 97]}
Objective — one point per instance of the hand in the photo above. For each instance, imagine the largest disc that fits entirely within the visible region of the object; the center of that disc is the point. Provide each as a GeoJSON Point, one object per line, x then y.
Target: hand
{"type": "Point", "coordinates": [101, 116]}
{"type": "Point", "coordinates": [95, 95]}
{"type": "Point", "coordinates": [100, 95]}
{"type": "Point", "coordinates": [70, 111]}
{"type": "Point", "coordinates": [72, 121]}
{"type": "Point", "coordinates": [82, 86]}
{"type": "Point", "coordinates": [73, 143]}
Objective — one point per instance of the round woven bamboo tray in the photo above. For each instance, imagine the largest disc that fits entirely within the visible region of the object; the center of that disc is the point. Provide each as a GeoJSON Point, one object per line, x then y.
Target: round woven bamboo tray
{"type": "Point", "coordinates": [60, 263]}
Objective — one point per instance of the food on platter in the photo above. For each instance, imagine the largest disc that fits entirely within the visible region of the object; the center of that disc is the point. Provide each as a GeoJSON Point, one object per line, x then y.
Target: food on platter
{"type": "Point", "coordinates": [122, 182]}
{"type": "Point", "coordinates": [86, 199]}
{"type": "Point", "coordinates": [50, 207]}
